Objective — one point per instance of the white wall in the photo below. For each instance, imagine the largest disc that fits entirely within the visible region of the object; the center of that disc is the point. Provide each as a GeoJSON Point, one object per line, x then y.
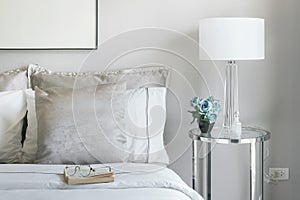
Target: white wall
{"type": "Point", "coordinates": [268, 89]}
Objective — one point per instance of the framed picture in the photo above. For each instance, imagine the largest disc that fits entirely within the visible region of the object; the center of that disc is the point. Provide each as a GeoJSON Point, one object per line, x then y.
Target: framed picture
{"type": "Point", "coordinates": [48, 24]}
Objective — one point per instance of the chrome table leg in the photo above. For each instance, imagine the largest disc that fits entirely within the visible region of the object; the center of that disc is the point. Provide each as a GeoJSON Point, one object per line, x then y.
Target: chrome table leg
{"type": "Point", "coordinates": [256, 171]}
{"type": "Point", "coordinates": [202, 169]}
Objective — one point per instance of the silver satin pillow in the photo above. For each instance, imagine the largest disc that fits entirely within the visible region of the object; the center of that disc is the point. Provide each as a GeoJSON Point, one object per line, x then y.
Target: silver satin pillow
{"type": "Point", "coordinates": [136, 77]}
{"type": "Point", "coordinates": [81, 126]}
{"type": "Point", "coordinates": [14, 79]}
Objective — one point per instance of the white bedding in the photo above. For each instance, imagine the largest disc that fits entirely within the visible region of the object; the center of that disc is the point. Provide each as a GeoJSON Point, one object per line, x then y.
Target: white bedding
{"type": "Point", "coordinates": [132, 181]}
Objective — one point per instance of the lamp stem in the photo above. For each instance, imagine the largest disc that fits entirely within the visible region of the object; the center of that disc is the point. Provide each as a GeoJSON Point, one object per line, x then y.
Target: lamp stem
{"type": "Point", "coordinates": [231, 120]}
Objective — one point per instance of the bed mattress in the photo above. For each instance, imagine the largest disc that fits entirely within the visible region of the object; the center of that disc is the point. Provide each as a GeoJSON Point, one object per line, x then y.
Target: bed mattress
{"type": "Point", "coordinates": [132, 181]}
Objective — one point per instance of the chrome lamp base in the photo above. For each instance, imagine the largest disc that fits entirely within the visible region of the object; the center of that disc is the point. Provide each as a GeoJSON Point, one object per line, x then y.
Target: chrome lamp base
{"type": "Point", "coordinates": [232, 124]}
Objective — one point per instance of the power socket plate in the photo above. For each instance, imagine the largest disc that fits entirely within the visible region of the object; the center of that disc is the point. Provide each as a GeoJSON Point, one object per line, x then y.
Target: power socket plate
{"type": "Point", "coordinates": [279, 173]}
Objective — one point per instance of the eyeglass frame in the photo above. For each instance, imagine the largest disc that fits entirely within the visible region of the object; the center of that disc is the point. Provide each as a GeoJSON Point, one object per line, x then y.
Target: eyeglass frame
{"type": "Point", "coordinates": [77, 169]}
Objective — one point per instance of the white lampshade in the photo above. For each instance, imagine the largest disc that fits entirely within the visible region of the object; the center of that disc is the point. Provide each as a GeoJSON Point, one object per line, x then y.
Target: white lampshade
{"type": "Point", "coordinates": [231, 39]}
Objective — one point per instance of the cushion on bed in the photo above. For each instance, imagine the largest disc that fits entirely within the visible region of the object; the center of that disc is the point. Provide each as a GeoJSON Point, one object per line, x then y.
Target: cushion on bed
{"type": "Point", "coordinates": [135, 77]}
{"type": "Point", "coordinates": [14, 79]}
{"type": "Point", "coordinates": [13, 110]}
{"type": "Point", "coordinates": [140, 77]}
{"type": "Point", "coordinates": [145, 119]}
{"type": "Point", "coordinates": [30, 143]}
{"type": "Point", "coordinates": [81, 126]}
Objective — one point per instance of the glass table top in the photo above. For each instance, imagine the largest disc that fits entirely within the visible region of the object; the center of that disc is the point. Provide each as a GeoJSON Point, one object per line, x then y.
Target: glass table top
{"type": "Point", "coordinates": [223, 136]}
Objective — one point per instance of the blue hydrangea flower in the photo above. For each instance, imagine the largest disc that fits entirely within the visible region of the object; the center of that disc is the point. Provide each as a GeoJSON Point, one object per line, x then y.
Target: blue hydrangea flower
{"type": "Point", "coordinates": [217, 106]}
{"type": "Point", "coordinates": [205, 109]}
{"type": "Point", "coordinates": [205, 106]}
{"type": "Point", "coordinates": [211, 117]}
{"type": "Point", "coordinates": [195, 102]}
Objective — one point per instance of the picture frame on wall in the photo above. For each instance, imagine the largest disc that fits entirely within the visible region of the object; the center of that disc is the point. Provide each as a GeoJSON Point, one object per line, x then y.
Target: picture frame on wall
{"type": "Point", "coordinates": [48, 24]}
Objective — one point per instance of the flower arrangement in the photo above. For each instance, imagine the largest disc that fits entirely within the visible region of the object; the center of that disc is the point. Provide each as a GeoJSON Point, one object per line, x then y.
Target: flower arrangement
{"type": "Point", "coordinates": [206, 110]}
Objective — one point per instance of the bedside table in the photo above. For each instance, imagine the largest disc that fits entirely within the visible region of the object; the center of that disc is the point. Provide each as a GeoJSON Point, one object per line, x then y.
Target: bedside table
{"type": "Point", "coordinates": [253, 136]}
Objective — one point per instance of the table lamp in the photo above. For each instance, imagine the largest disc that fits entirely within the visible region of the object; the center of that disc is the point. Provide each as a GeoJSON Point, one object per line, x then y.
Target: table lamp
{"type": "Point", "coordinates": [231, 39]}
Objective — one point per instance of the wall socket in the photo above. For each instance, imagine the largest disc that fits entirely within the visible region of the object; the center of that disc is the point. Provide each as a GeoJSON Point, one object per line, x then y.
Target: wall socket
{"type": "Point", "coordinates": [279, 173]}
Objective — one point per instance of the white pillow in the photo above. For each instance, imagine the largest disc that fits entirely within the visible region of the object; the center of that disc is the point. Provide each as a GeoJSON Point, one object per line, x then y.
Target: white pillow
{"type": "Point", "coordinates": [13, 110]}
{"type": "Point", "coordinates": [145, 119]}
{"type": "Point", "coordinates": [30, 143]}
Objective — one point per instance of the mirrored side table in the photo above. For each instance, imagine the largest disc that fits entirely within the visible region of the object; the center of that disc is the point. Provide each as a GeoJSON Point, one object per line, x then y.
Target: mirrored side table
{"type": "Point", "coordinates": [254, 137]}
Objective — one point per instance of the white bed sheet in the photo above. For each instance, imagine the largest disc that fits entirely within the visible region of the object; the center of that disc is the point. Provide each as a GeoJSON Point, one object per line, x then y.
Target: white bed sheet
{"type": "Point", "coordinates": [132, 181]}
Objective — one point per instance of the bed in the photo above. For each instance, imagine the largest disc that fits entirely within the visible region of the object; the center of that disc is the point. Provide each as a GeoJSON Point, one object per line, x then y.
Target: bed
{"type": "Point", "coordinates": [50, 120]}
{"type": "Point", "coordinates": [132, 181]}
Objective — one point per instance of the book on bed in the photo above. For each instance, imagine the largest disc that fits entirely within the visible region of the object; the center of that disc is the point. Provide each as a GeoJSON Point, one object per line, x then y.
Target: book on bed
{"type": "Point", "coordinates": [85, 174]}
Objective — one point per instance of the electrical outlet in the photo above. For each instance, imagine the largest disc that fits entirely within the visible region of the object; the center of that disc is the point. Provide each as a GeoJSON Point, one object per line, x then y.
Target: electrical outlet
{"type": "Point", "coordinates": [279, 173]}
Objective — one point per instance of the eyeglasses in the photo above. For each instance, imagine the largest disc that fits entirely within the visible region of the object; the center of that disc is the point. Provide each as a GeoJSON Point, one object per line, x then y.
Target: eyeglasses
{"type": "Point", "coordinates": [82, 170]}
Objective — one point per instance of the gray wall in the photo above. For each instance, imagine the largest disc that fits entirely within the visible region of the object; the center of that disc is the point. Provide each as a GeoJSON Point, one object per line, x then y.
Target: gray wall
{"type": "Point", "coordinates": [268, 89]}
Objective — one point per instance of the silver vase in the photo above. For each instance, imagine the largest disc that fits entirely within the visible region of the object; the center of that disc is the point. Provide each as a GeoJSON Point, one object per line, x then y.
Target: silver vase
{"type": "Point", "coordinates": [205, 127]}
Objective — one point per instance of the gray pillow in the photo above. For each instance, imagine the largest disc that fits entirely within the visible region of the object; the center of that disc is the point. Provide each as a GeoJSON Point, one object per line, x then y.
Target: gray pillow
{"type": "Point", "coordinates": [136, 77]}
{"type": "Point", "coordinates": [14, 79]}
{"type": "Point", "coordinates": [81, 126]}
